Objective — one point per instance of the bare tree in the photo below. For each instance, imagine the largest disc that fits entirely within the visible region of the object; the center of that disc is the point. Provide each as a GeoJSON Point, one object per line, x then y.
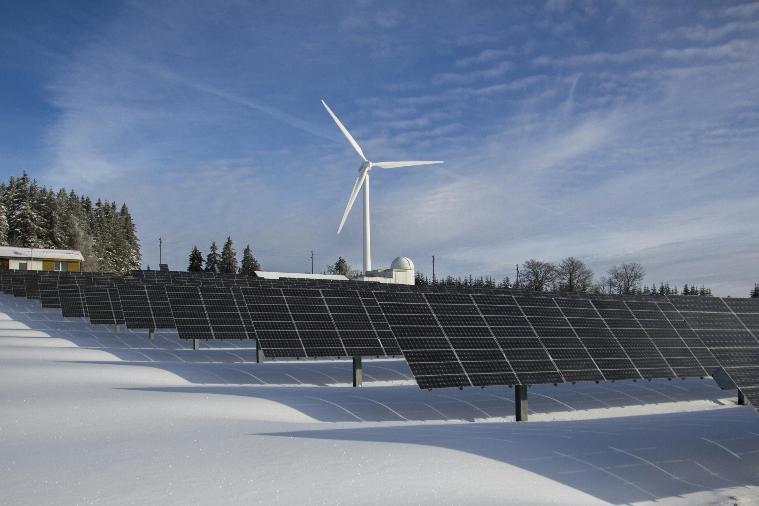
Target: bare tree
{"type": "Point", "coordinates": [538, 275]}
{"type": "Point", "coordinates": [574, 276]}
{"type": "Point", "coordinates": [601, 286]}
{"type": "Point", "coordinates": [626, 278]}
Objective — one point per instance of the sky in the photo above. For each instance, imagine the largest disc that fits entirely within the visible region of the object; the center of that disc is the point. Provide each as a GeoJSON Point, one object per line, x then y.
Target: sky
{"type": "Point", "coordinates": [611, 131]}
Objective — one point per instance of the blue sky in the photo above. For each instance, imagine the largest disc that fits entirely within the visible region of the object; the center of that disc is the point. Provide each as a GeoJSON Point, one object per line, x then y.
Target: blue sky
{"type": "Point", "coordinates": [611, 131]}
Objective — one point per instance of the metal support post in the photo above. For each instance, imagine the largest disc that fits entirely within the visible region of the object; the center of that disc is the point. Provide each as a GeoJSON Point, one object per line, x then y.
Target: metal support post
{"type": "Point", "coordinates": [357, 372]}
{"type": "Point", "coordinates": [520, 402]}
{"type": "Point", "coordinates": [741, 399]}
{"type": "Point", "coordinates": [151, 334]}
{"type": "Point", "coordinates": [196, 344]}
{"type": "Point", "coordinates": [259, 353]}
{"type": "Point", "coordinates": [115, 327]}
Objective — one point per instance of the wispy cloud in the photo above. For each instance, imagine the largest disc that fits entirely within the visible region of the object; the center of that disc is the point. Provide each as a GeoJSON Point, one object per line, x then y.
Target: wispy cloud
{"type": "Point", "coordinates": [484, 56]}
{"type": "Point", "coordinates": [495, 71]}
{"type": "Point", "coordinates": [567, 129]}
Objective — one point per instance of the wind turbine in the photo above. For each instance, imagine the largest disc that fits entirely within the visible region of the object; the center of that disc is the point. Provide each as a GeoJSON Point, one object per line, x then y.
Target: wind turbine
{"type": "Point", "coordinates": [363, 179]}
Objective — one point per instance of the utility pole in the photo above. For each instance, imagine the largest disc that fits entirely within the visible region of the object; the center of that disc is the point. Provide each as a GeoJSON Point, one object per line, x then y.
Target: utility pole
{"type": "Point", "coordinates": [433, 269]}
{"type": "Point", "coordinates": [517, 276]}
{"type": "Point", "coordinates": [312, 261]}
{"type": "Point", "coordinates": [160, 251]}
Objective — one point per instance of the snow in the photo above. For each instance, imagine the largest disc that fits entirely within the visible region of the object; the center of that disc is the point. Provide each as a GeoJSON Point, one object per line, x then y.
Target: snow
{"type": "Point", "coordinates": [90, 416]}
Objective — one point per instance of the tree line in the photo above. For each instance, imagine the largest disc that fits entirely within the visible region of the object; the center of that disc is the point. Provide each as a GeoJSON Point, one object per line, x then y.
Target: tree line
{"type": "Point", "coordinates": [33, 216]}
{"type": "Point", "coordinates": [572, 275]}
{"type": "Point", "coordinates": [226, 262]}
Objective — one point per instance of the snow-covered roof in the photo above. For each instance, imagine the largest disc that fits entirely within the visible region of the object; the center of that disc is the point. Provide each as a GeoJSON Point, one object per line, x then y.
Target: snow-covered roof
{"type": "Point", "coordinates": [39, 253]}
{"type": "Point", "coordinates": [298, 275]}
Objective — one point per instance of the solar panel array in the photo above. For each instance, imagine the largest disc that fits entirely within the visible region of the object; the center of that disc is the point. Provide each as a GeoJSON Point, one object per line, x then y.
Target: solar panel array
{"type": "Point", "coordinates": [481, 339]}
{"type": "Point", "coordinates": [472, 337]}
{"type": "Point", "coordinates": [729, 328]}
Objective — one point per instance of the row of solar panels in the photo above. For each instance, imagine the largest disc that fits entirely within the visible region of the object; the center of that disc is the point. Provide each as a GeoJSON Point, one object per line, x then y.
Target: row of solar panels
{"type": "Point", "coordinates": [449, 339]}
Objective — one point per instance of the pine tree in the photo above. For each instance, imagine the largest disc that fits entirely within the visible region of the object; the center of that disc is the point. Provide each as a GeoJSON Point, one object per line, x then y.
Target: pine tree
{"type": "Point", "coordinates": [60, 234]}
{"type": "Point", "coordinates": [131, 245]}
{"type": "Point", "coordinates": [3, 219]}
{"type": "Point", "coordinates": [755, 291]}
{"type": "Point", "coordinates": [196, 260]}
{"type": "Point", "coordinates": [107, 245]}
{"type": "Point", "coordinates": [228, 264]}
{"type": "Point", "coordinates": [340, 267]}
{"type": "Point", "coordinates": [23, 221]}
{"type": "Point", "coordinates": [249, 264]}
{"type": "Point", "coordinates": [212, 260]}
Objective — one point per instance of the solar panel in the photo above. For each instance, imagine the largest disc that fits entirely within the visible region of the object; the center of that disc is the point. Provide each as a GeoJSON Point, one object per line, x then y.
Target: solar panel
{"type": "Point", "coordinates": [72, 300]}
{"type": "Point", "coordinates": [728, 328]}
{"type": "Point", "coordinates": [145, 306]}
{"type": "Point", "coordinates": [160, 308]}
{"type": "Point", "coordinates": [103, 304]}
{"type": "Point", "coordinates": [274, 326]}
{"type": "Point", "coordinates": [202, 312]}
{"type": "Point", "coordinates": [6, 282]}
{"type": "Point", "coordinates": [312, 322]}
{"type": "Point", "coordinates": [445, 340]}
{"type": "Point", "coordinates": [18, 284]}
{"type": "Point", "coordinates": [48, 285]}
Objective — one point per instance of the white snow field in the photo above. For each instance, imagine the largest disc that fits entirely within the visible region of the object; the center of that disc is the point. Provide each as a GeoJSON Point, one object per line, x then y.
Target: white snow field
{"type": "Point", "coordinates": [89, 416]}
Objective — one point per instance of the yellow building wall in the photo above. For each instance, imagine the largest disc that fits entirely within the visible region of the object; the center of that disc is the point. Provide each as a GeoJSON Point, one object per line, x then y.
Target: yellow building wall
{"type": "Point", "coordinates": [47, 265]}
{"type": "Point", "coordinates": [74, 266]}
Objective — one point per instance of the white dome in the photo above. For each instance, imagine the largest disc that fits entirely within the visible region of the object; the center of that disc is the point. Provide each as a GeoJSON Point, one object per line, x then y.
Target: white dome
{"type": "Point", "coordinates": [402, 264]}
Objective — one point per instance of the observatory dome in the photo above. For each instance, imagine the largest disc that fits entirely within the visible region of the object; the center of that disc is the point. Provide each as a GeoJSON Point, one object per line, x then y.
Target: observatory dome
{"type": "Point", "coordinates": [402, 264]}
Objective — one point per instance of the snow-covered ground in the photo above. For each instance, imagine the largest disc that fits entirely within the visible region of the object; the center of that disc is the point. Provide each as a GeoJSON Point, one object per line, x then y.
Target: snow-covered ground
{"type": "Point", "coordinates": [89, 416]}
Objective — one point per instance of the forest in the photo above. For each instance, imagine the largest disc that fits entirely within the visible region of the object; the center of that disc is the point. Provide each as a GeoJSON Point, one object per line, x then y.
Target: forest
{"type": "Point", "coordinates": [33, 216]}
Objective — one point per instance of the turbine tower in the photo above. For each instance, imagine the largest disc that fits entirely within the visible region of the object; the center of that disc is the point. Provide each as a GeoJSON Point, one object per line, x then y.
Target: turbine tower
{"type": "Point", "coordinates": [363, 180]}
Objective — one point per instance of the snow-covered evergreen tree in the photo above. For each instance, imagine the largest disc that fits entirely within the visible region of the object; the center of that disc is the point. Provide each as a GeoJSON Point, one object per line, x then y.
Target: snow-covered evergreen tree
{"type": "Point", "coordinates": [212, 260]}
{"type": "Point", "coordinates": [196, 260]}
{"type": "Point", "coordinates": [249, 264]}
{"type": "Point", "coordinates": [3, 218]}
{"type": "Point", "coordinates": [228, 264]}
{"type": "Point", "coordinates": [131, 259]}
{"type": "Point", "coordinates": [23, 221]}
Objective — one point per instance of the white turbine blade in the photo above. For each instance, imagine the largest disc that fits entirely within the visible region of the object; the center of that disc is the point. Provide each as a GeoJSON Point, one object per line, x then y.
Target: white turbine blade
{"type": "Point", "coordinates": [397, 165]}
{"type": "Point", "coordinates": [356, 187]}
{"type": "Point", "coordinates": [345, 132]}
